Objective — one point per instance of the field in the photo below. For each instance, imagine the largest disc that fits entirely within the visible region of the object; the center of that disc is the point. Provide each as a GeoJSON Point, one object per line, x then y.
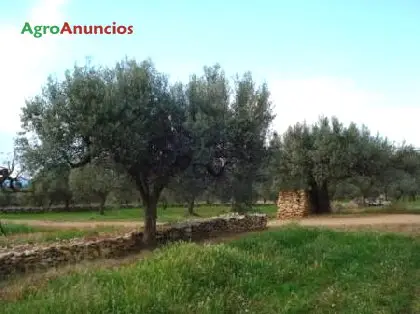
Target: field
{"type": "Point", "coordinates": [176, 213]}
{"type": "Point", "coordinates": [287, 269]}
{"type": "Point", "coordinates": [169, 214]}
{"type": "Point", "coordinates": [291, 270]}
{"type": "Point", "coordinates": [23, 235]}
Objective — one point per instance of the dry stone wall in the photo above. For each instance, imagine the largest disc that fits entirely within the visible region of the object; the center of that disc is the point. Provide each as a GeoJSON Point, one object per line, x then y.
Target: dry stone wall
{"type": "Point", "coordinates": [56, 255]}
{"type": "Point", "coordinates": [293, 204]}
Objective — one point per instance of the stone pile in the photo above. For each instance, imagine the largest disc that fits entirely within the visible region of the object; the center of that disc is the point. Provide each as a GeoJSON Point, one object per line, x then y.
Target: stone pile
{"type": "Point", "coordinates": [55, 255]}
{"type": "Point", "coordinates": [293, 204]}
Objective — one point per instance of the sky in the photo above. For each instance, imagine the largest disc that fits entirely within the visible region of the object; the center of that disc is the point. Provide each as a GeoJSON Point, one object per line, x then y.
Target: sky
{"type": "Point", "coordinates": [357, 60]}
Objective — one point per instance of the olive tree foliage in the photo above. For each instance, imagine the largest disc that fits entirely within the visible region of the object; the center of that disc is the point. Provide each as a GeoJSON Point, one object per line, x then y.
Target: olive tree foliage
{"type": "Point", "coordinates": [51, 186]}
{"type": "Point", "coordinates": [208, 99]}
{"type": "Point", "coordinates": [129, 114]}
{"type": "Point", "coordinates": [126, 192]}
{"type": "Point", "coordinates": [320, 156]}
{"type": "Point", "coordinates": [383, 169]}
{"type": "Point", "coordinates": [95, 181]}
{"type": "Point", "coordinates": [402, 178]}
{"type": "Point", "coordinates": [273, 179]}
{"type": "Point", "coordinates": [248, 126]}
{"type": "Point", "coordinates": [231, 123]}
{"type": "Point", "coordinates": [370, 162]}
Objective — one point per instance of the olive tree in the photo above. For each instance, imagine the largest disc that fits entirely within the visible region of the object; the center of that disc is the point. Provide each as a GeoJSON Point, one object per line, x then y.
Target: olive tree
{"type": "Point", "coordinates": [95, 181]}
{"type": "Point", "coordinates": [318, 156]}
{"type": "Point", "coordinates": [129, 114]}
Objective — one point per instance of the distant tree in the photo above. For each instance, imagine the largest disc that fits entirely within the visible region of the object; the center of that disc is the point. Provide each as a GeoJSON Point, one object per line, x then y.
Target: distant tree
{"type": "Point", "coordinates": [248, 128]}
{"type": "Point", "coordinates": [344, 190]}
{"type": "Point", "coordinates": [189, 186]}
{"type": "Point", "coordinates": [370, 162]}
{"type": "Point", "coordinates": [272, 178]}
{"type": "Point", "coordinates": [50, 186]}
{"type": "Point", "coordinates": [95, 181]}
{"type": "Point", "coordinates": [125, 192]}
{"type": "Point", "coordinates": [206, 118]}
{"type": "Point", "coordinates": [402, 177]}
{"type": "Point", "coordinates": [315, 157]}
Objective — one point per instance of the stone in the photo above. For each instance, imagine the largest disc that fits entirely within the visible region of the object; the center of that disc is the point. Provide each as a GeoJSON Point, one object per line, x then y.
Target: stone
{"type": "Point", "coordinates": [75, 251]}
{"type": "Point", "coordinates": [293, 204]}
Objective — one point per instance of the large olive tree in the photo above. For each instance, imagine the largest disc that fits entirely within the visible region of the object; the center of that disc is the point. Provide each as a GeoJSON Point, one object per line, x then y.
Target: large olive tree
{"type": "Point", "coordinates": [130, 114]}
{"type": "Point", "coordinates": [321, 155]}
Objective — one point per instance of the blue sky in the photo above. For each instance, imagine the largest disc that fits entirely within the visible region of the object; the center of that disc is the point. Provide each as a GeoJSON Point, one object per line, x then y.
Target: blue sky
{"type": "Point", "coordinates": [358, 60]}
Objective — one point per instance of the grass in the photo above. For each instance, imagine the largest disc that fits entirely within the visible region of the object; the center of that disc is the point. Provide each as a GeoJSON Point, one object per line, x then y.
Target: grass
{"type": "Point", "coordinates": [169, 214]}
{"type": "Point", "coordinates": [177, 213]}
{"type": "Point", "coordinates": [172, 214]}
{"type": "Point", "coordinates": [11, 228]}
{"type": "Point", "coordinates": [23, 234]}
{"type": "Point", "coordinates": [291, 270]}
{"type": "Point", "coordinates": [17, 234]}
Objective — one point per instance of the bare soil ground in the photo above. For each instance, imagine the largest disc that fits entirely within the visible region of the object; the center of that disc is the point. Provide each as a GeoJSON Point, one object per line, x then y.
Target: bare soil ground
{"type": "Point", "coordinates": [353, 220]}
{"type": "Point", "coordinates": [404, 223]}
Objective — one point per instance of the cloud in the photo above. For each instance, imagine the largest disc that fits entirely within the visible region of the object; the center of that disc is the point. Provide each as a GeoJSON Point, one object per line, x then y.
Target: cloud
{"type": "Point", "coordinates": [27, 61]}
{"type": "Point", "coordinates": [307, 99]}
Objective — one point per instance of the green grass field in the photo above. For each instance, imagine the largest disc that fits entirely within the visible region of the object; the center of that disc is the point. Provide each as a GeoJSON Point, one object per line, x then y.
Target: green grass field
{"type": "Point", "coordinates": [12, 229]}
{"type": "Point", "coordinates": [169, 214]}
{"type": "Point", "coordinates": [172, 214]}
{"type": "Point", "coordinates": [17, 234]}
{"type": "Point", "coordinates": [292, 270]}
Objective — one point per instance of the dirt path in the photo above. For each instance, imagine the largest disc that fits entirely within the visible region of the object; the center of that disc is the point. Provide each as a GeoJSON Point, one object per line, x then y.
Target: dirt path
{"type": "Point", "coordinates": [396, 219]}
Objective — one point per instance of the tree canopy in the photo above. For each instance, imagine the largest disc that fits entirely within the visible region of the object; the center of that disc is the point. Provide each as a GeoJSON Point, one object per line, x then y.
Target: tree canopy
{"type": "Point", "coordinates": [133, 116]}
{"type": "Point", "coordinates": [126, 131]}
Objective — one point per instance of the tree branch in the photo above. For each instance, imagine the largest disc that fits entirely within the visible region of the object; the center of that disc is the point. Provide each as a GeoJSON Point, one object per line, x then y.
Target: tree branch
{"type": "Point", "coordinates": [86, 159]}
{"type": "Point", "coordinates": [208, 166]}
